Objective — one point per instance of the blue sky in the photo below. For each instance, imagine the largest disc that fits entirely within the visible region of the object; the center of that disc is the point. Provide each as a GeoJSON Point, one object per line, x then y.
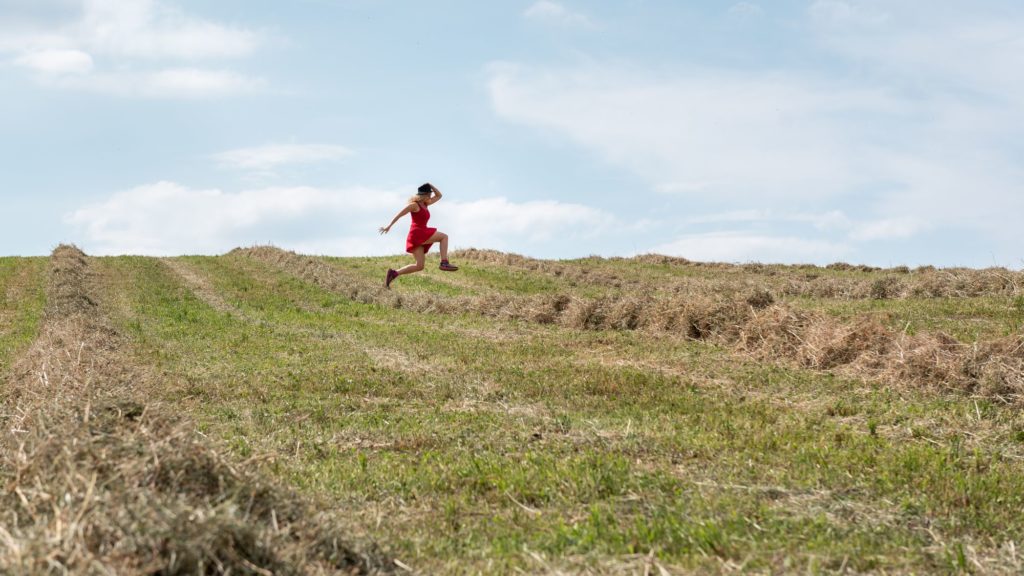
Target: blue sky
{"type": "Point", "coordinates": [881, 132]}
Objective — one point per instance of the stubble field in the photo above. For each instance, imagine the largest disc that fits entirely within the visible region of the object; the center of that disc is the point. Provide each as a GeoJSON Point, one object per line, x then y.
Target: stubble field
{"type": "Point", "coordinates": [264, 410]}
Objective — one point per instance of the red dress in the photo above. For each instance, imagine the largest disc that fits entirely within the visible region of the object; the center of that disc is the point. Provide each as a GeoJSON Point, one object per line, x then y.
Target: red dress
{"type": "Point", "coordinates": [419, 232]}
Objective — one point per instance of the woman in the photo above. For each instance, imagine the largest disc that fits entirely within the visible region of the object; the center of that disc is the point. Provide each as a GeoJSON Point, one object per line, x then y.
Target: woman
{"type": "Point", "coordinates": [421, 237]}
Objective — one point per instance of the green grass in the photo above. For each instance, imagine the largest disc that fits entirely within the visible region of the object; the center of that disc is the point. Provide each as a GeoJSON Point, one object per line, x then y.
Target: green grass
{"type": "Point", "coordinates": [466, 444]}
{"type": "Point", "coordinates": [966, 319]}
{"type": "Point", "coordinates": [22, 298]}
{"type": "Point", "coordinates": [473, 278]}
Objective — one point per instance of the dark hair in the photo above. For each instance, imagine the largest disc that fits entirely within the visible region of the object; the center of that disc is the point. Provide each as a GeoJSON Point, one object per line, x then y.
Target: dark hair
{"type": "Point", "coordinates": [424, 189]}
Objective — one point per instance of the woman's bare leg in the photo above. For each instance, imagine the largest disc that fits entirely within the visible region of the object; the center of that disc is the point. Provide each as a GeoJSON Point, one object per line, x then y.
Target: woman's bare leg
{"type": "Point", "coordinates": [443, 239]}
{"type": "Point", "coordinates": [418, 254]}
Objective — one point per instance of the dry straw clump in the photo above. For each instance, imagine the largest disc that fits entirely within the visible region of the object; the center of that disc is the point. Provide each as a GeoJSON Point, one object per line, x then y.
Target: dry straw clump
{"type": "Point", "coordinates": [856, 282]}
{"type": "Point", "coordinates": [94, 479]}
{"type": "Point", "coordinates": [751, 322]}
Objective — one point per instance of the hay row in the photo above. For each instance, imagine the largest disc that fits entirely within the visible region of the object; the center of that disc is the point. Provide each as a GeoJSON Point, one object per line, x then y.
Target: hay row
{"type": "Point", "coordinates": [97, 479]}
{"type": "Point", "coordinates": [786, 280]}
{"type": "Point", "coordinates": [754, 324]}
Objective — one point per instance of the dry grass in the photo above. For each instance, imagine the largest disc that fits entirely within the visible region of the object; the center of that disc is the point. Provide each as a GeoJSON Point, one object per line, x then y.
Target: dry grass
{"type": "Point", "coordinates": [837, 281]}
{"type": "Point", "coordinates": [97, 480]}
{"type": "Point", "coordinates": [750, 322]}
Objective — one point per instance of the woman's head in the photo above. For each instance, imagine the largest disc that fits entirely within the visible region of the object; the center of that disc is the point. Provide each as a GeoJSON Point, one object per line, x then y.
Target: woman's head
{"type": "Point", "coordinates": [422, 193]}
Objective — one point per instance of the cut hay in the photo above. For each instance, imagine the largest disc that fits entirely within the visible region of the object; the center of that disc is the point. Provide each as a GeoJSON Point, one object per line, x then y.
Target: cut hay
{"type": "Point", "coordinates": [746, 319]}
{"type": "Point", "coordinates": [837, 281]}
{"type": "Point", "coordinates": [95, 478]}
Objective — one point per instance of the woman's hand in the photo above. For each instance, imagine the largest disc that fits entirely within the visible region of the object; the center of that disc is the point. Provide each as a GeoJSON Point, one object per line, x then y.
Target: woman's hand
{"type": "Point", "coordinates": [385, 229]}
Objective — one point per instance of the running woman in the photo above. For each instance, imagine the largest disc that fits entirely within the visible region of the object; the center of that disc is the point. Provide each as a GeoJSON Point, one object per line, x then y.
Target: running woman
{"type": "Point", "coordinates": [421, 237]}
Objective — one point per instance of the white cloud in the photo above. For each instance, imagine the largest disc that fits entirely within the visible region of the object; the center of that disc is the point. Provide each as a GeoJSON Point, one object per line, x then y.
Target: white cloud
{"type": "Point", "coordinates": [746, 247]}
{"type": "Point", "coordinates": [886, 229]}
{"type": "Point", "coordinates": [152, 29]}
{"type": "Point", "coordinates": [499, 223]}
{"type": "Point", "coordinates": [942, 48]}
{"type": "Point", "coordinates": [131, 48]}
{"type": "Point", "coordinates": [746, 10]}
{"type": "Point", "coordinates": [173, 83]}
{"type": "Point", "coordinates": [555, 13]}
{"type": "Point", "coordinates": [197, 83]}
{"type": "Point", "coordinates": [57, 61]}
{"type": "Point", "coordinates": [907, 157]}
{"type": "Point", "coordinates": [837, 12]}
{"type": "Point", "coordinates": [166, 218]}
{"type": "Point", "coordinates": [702, 131]}
{"type": "Point", "coordinates": [265, 158]}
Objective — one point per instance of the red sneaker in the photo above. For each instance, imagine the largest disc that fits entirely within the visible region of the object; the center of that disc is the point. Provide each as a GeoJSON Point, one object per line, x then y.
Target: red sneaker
{"type": "Point", "coordinates": [448, 267]}
{"type": "Point", "coordinates": [390, 278]}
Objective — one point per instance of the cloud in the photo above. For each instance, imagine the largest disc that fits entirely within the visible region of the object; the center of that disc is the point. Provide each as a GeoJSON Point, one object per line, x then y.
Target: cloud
{"type": "Point", "coordinates": [57, 61]}
{"type": "Point", "coordinates": [142, 48]}
{"type": "Point", "coordinates": [945, 48]}
{"type": "Point", "coordinates": [151, 29]}
{"type": "Point", "coordinates": [166, 218]}
{"type": "Point", "coordinates": [837, 12]}
{"type": "Point", "coordinates": [908, 148]}
{"type": "Point", "coordinates": [268, 157]}
{"type": "Point", "coordinates": [703, 131]}
{"type": "Point", "coordinates": [746, 10]}
{"type": "Point", "coordinates": [171, 83]}
{"type": "Point", "coordinates": [555, 13]}
{"type": "Point", "coordinates": [499, 223]}
{"type": "Point", "coordinates": [739, 246]}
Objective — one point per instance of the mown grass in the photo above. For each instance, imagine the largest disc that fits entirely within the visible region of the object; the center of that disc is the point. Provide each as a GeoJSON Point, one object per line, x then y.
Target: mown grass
{"type": "Point", "coordinates": [966, 319]}
{"type": "Point", "coordinates": [475, 278]}
{"type": "Point", "coordinates": [472, 445]}
{"type": "Point", "coordinates": [22, 298]}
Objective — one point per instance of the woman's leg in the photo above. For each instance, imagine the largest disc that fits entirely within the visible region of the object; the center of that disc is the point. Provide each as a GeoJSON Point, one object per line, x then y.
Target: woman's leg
{"type": "Point", "coordinates": [443, 239]}
{"type": "Point", "coordinates": [417, 253]}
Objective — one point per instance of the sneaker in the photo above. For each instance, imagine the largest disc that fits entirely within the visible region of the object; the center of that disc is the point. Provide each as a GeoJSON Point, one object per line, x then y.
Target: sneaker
{"type": "Point", "coordinates": [448, 267]}
{"type": "Point", "coordinates": [390, 278]}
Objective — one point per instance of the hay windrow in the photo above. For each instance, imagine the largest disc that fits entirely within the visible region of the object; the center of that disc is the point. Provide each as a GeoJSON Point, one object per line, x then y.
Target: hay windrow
{"type": "Point", "coordinates": [790, 280]}
{"type": "Point", "coordinates": [748, 320]}
{"type": "Point", "coordinates": [97, 479]}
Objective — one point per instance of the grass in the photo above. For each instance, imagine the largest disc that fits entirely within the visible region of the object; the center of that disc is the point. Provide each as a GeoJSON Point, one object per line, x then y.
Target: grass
{"type": "Point", "coordinates": [22, 298]}
{"type": "Point", "coordinates": [967, 319]}
{"type": "Point", "coordinates": [472, 445]}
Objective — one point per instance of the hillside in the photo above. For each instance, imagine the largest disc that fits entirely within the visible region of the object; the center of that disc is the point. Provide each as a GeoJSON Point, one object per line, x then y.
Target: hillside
{"type": "Point", "coordinates": [264, 410]}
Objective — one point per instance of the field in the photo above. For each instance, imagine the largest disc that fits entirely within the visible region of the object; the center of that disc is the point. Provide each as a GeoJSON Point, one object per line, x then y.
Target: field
{"type": "Point", "coordinates": [268, 412]}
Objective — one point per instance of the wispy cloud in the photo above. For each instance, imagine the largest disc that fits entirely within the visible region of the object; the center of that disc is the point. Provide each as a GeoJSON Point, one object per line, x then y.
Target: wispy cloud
{"type": "Point", "coordinates": [704, 131]}
{"type": "Point", "coordinates": [157, 30]}
{"type": "Point", "coordinates": [134, 49]}
{"type": "Point", "coordinates": [740, 246]}
{"type": "Point", "coordinates": [746, 10]}
{"type": "Point", "coordinates": [169, 83]}
{"type": "Point", "coordinates": [56, 62]}
{"type": "Point", "coordinates": [271, 156]}
{"type": "Point", "coordinates": [900, 156]}
{"type": "Point", "coordinates": [166, 218]}
{"type": "Point", "coordinates": [555, 13]}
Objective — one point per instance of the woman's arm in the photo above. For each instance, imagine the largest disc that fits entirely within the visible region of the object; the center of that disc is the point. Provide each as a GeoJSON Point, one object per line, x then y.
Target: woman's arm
{"type": "Point", "coordinates": [404, 211]}
{"type": "Point", "coordinates": [435, 195]}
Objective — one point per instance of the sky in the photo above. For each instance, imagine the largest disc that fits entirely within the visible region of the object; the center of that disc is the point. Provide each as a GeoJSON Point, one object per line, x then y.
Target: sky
{"type": "Point", "coordinates": [813, 131]}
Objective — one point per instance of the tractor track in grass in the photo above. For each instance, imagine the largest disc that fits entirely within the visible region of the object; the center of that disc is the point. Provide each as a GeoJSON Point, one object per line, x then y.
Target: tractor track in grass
{"type": "Point", "coordinates": [139, 490]}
